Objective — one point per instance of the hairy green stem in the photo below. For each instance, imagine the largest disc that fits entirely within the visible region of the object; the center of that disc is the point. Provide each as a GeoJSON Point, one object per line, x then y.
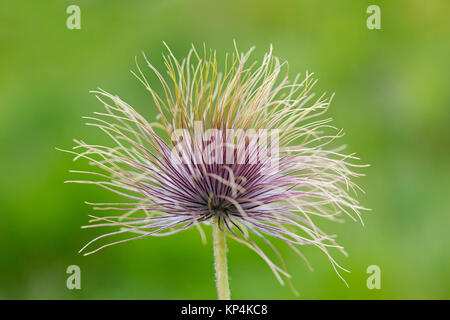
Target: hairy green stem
{"type": "Point", "coordinates": [220, 262]}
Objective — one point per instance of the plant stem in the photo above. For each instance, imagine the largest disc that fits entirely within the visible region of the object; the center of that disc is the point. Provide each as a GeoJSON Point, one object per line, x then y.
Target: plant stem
{"type": "Point", "coordinates": [220, 262]}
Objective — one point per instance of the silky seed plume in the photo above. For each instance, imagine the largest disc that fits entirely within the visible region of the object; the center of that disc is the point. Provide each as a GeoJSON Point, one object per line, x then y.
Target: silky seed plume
{"type": "Point", "coordinates": [238, 146]}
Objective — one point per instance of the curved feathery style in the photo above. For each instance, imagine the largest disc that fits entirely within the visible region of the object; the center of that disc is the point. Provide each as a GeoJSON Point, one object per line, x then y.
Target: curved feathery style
{"type": "Point", "coordinates": [236, 146]}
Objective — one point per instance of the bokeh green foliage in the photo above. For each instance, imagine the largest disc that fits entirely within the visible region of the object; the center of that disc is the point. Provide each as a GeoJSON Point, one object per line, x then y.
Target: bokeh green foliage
{"type": "Point", "coordinates": [392, 98]}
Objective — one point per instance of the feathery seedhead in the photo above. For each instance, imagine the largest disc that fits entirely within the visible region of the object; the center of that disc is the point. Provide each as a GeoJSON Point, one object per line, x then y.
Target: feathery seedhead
{"type": "Point", "coordinates": [237, 145]}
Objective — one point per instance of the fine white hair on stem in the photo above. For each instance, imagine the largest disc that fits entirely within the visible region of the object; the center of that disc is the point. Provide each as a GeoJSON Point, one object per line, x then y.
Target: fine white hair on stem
{"type": "Point", "coordinates": [283, 195]}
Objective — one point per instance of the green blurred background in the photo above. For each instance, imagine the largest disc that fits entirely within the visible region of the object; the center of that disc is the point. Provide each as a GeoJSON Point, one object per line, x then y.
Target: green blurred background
{"type": "Point", "coordinates": [392, 99]}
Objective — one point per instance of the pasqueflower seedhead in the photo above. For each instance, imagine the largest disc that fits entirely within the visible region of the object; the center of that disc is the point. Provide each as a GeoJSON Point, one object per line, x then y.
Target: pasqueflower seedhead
{"type": "Point", "coordinates": [243, 149]}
